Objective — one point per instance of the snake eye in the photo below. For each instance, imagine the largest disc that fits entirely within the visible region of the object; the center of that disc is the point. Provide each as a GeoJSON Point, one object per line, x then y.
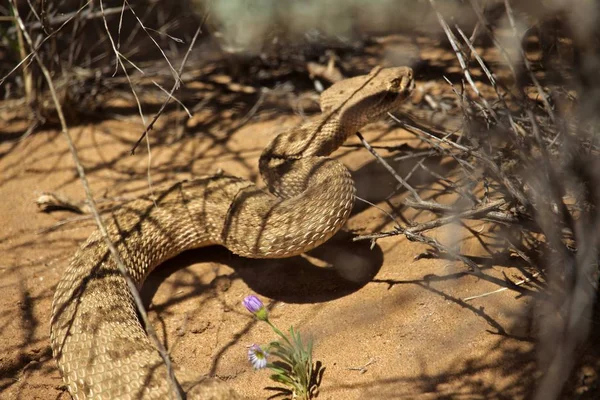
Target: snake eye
{"type": "Point", "coordinates": [395, 83]}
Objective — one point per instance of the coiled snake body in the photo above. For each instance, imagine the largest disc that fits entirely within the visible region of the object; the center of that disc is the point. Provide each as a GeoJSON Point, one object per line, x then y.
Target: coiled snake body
{"type": "Point", "coordinates": [102, 350]}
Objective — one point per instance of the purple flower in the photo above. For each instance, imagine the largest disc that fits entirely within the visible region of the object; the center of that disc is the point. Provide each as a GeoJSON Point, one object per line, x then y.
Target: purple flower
{"type": "Point", "coordinates": [257, 356]}
{"type": "Point", "coordinates": [252, 303]}
{"type": "Point", "coordinates": [256, 307]}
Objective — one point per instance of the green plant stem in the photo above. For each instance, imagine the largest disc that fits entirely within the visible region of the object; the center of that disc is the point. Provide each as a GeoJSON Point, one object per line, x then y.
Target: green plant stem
{"type": "Point", "coordinates": [277, 331]}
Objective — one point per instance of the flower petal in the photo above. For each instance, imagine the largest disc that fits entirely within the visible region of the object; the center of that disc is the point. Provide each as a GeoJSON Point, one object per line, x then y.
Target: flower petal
{"type": "Point", "coordinates": [257, 356]}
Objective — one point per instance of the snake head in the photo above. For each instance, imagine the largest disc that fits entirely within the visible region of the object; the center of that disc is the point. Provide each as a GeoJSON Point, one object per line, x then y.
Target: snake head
{"type": "Point", "coordinates": [383, 89]}
{"type": "Point", "coordinates": [400, 81]}
{"type": "Point", "coordinates": [365, 98]}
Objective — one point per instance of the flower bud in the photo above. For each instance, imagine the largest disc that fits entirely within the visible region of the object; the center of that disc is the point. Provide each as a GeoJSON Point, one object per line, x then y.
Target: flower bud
{"type": "Point", "coordinates": [256, 307]}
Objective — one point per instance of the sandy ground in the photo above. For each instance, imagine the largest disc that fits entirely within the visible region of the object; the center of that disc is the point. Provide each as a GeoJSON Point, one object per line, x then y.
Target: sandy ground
{"type": "Point", "coordinates": [385, 324]}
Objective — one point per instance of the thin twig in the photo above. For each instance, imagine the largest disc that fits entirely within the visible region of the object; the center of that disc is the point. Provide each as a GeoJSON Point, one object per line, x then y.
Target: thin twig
{"type": "Point", "coordinates": [374, 236]}
{"type": "Point", "coordinates": [62, 18]}
{"type": "Point", "coordinates": [40, 44]}
{"type": "Point", "coordinates": [469, 214]}
{"type": "Point", "coordinates": [388, 167]}
{"type": "Point", "coordinates": [420, 131]}
{"type": "Point", "coordinates": [462, 62]}
{"type": "Point", "coordinates": [92, 203]}
{"type": "Point", "coordinates": [490, 77]}
{"type": "Point", "coordinates": [490, 31]}
{"type": "Point", "coordinates": [519, 283]}
{"type": "Point", "coordinates": [527, 64]}
{"type": "Point", "coordinates": [477, 213]}
{"type": "Point", "coordinates": [504, 217]}
{"type": "Point", "coordinates": [418, 237]}
{"type": "Point", "coordinates": [175, 87]}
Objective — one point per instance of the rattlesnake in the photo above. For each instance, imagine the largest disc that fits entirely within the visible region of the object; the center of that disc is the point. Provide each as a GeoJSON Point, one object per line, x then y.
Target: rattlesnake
{"type": "Point", "coordinates": [102, 349]}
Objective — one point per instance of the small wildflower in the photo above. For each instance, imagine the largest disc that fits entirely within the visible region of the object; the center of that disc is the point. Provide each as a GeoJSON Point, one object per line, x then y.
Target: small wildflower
{"type": "Point", "coordinates": [293, 367]}
{"type": "Point", "coordinates": [257, 356]}
{"type": "Point", "coordinates": [256, 307]}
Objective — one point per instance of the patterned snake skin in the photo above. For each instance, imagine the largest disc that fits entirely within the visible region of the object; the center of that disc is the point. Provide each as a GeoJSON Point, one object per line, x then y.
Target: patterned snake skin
{"type": "Point", "coordinates": [103, 351]}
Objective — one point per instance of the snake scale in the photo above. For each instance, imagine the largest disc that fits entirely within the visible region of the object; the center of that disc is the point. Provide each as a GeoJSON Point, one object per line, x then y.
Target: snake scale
{"type": "Point", "coordinates": [102, 349]}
